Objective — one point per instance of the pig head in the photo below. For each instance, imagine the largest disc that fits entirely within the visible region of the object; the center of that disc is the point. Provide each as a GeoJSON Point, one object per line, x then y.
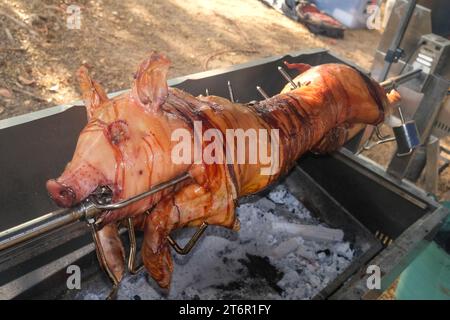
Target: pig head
{"type": "Point", "coordinates": [125, 145]}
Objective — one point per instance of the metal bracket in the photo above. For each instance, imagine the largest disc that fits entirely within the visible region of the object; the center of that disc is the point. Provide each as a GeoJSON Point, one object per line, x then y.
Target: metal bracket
{"type": "Point", "coordinates": [132, 256]}
{"type": "Point", "coordinates": [188, 247]}
{"type": "Point", "coordinates": [393, 56]}
{"type": "Point", "coordinates": [152, 190]}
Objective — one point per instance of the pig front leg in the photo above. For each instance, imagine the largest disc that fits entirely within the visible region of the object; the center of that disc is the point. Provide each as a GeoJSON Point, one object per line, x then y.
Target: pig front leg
{"type": "Point", "coordinates": [191, 206]}
{"type": "Point", "coordinates": [110, 252]}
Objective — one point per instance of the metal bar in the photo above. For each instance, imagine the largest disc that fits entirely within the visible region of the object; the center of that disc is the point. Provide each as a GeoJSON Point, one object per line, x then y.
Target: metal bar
{"type": "Point", "coordinates": [152, 190]}
{"type": "Point", "coordinates": [379, 175]}
{"type": "Point", "coordinates": [369, 146]}
{"type": "Point", "coordinates": [391, 82]}
{"type": "Point", "coordinates": [230, 91]}
{"type": "Point", "coordinates": [19, 285]}
{"type": "Point", "coordinates": [132, 255]}
{"type": "Point", "coordinates": [398, 37]}
{"type": "Point", "coordinates": [41, 225]}
{"type": "Point", "coordinates": [432, 164]}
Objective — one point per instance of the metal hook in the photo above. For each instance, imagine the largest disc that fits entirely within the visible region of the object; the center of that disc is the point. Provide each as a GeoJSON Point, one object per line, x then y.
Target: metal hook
{"type": "Point", "coordinates": [381, 140]}
{"type": "Point", "coordinates": [188, 247]}
{"type": "Point", "coordinates": [380, 136]}
{"type": "Point", "coordinates": [368, 146]}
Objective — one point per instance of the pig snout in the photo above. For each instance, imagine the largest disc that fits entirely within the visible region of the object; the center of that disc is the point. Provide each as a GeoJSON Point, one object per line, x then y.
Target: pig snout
{"type": "Point", "coordinates": [63, 195]}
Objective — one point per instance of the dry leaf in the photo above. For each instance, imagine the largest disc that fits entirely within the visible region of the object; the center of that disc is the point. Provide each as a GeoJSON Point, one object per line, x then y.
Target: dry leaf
{"type": "Point", "coordinates": [25, 81]}
{"type": "Point", "coordinates": [6, 93]}
{"type": "Point", "coordinates": [54, 88]}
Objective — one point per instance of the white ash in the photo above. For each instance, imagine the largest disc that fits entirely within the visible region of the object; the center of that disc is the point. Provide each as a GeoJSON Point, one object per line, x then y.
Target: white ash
{"type": "Point", "coordinates": [254, 263]}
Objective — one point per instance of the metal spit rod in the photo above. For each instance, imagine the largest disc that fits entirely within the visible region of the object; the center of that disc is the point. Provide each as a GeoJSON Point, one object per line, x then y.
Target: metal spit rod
{"type": "Point", "coordinates": [407, 76]}
{"type": "Point", "coordinates": [86, 210]}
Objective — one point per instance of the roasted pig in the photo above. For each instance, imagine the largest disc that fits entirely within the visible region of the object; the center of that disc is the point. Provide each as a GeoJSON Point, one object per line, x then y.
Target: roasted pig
{"type": "Point", "coordinates": [133, 142]}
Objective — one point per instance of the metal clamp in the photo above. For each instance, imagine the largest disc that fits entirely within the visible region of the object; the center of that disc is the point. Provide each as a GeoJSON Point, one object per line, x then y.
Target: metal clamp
{"type": "Point", "coordinates": [127, 202]}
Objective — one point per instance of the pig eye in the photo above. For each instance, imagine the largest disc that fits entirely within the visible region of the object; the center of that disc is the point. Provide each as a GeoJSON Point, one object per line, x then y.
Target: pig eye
{"type": "Point", "coordinates": [118, 131]}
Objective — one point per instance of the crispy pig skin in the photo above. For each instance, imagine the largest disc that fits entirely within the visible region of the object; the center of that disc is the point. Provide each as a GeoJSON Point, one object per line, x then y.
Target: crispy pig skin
{"type": "Point", "coordinates": [127, 146]}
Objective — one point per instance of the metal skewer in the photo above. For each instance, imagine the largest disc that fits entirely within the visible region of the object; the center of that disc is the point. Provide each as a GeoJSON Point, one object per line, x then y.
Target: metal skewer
{"type": "Point", "coordinates": [87, 210]}
{"type": "Point", "coordinates": [287, 77]}
{"type": "Point", "coordinates": [262, 92]}
{"type": "Point", "coordinates": [230, 91]}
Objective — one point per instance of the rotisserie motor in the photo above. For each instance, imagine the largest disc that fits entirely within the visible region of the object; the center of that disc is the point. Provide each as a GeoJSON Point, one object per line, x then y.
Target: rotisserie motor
{"type": "Point", "coordinates": [128, 146]}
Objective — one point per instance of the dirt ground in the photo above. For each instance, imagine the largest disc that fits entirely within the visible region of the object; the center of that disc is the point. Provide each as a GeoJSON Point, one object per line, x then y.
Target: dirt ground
{"type": "Point", "coordinates": [39, 54]}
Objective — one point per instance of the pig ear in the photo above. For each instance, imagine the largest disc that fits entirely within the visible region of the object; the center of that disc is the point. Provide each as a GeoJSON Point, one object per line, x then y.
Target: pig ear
{"type": "Point", "coordinates": [150, 84]}
{"type": "Point", "coordinates": [93, 94]}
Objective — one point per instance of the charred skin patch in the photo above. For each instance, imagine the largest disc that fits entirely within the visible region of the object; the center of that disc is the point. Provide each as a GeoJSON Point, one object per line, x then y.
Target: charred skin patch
{"type": "Point", "coordinates": [118, 132]}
